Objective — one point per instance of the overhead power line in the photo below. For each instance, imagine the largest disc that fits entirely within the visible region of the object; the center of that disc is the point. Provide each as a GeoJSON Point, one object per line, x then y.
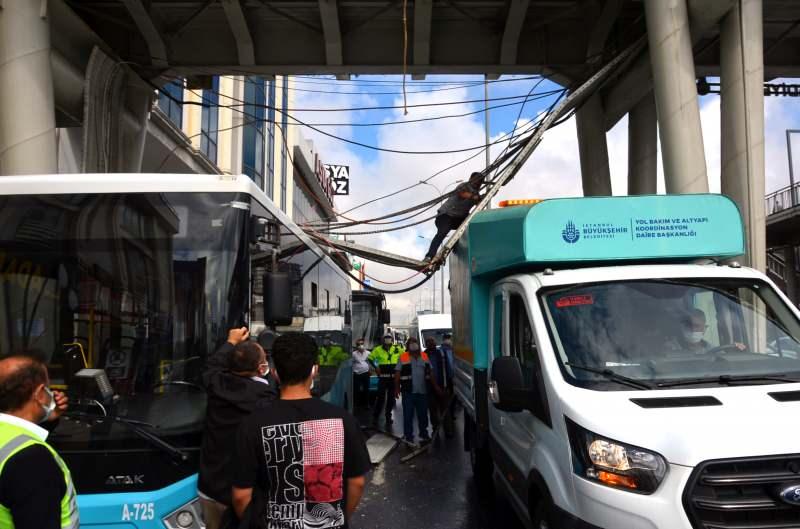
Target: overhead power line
{"type": "Point", "coordinates": [241, 103]}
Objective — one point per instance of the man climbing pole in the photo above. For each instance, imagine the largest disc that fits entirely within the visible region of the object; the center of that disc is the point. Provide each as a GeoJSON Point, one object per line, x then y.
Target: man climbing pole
{"type": "Point", "coordinates": [455, 210]}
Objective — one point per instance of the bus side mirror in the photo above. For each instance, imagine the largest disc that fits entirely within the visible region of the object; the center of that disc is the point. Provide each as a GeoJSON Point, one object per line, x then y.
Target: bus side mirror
{"type": "Point", "coordinates": [277, 299]}
{"type": "Point", "coordinates": [348, 317]}
{"type": "Point", "coordinates": [507, 388]}
{"type": "Point", "coordinates": [386, 315]}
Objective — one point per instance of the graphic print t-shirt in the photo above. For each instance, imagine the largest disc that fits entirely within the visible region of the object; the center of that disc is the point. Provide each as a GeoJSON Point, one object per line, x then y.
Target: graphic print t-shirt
{"type": "Point", "coordinates": [298, 454]}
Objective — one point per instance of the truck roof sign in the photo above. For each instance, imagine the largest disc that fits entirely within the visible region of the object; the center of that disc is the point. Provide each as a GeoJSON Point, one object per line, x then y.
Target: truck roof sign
{"type": "Point", "coordinates": [597, 229]}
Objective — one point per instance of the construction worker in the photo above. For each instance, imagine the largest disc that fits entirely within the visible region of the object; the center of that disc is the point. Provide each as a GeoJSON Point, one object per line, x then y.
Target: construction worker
{"type": "Point", "coordinates": [331, 354]}
{"type": "Point", "coordinates": [455, 210]}
{"type": "Point", "coordinates": [36, 490]}
{"type": "Point", "coordinates": [413, 379]}
{"type": "Point", "coordinates": [384, 358]}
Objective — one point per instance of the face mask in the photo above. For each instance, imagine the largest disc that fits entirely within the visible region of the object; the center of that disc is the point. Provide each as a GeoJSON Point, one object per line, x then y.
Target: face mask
{"type": "Point", "coordinates": [387, 342]}
{"type": "Point", "coordinates": [693, 336]}
{"type": "Point", "coordinates": [447, 341]}
{"type": "Point", "coordinates": [361, 347]}
{"type": "Point", "coordinates": [50, 408]}
{"type": "Point", "coordinates": [413, 348]}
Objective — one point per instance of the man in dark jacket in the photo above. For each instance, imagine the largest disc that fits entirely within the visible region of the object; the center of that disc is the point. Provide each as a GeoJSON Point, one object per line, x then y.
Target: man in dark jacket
{"type": "Point", "coordinates": [236, 381]}
{"type": "Point", "coordinates": [442, 371]}
{"type": "Point", "coordinates": [455, 210]}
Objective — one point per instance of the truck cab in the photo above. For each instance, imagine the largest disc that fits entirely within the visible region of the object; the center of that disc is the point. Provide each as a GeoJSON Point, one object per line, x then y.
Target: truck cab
{"type": "Point", "coordinates": [617, 370]}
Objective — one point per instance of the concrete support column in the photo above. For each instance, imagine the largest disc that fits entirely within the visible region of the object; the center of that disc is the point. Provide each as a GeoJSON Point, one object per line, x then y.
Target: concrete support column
{"type": "Point", "coordinates": [676, 96]}
{"type": "Point", "coordinates": [27, 109]}
{"type": "Point", "coordinates": [791, 273]}
{"type": "Point", "coordinates": [595, 173]}
{"type": "Point", "coordinates": [643, 148]}
{"type": "Point", "coordinates": [742, 100]}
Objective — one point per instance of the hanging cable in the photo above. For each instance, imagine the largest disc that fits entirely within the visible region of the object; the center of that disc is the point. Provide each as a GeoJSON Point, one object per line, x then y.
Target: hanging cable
{"type": "Point", "coordinates": [330, 135]}
{"type": "Point", "coordinates": [540, 95]}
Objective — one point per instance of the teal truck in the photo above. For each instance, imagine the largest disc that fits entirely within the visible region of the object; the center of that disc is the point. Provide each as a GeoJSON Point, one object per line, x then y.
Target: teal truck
{"type": "Point", "coordinates": [618, 369]}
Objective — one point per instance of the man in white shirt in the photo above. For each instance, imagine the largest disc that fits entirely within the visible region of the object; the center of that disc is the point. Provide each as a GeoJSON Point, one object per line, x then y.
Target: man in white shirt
{"type": "Point", "coordinates": [361, 374]}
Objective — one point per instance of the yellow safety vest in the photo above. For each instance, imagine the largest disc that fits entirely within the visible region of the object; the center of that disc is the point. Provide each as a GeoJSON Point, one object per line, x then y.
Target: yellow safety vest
{"type": "Point", "coordinates": [15, 438]}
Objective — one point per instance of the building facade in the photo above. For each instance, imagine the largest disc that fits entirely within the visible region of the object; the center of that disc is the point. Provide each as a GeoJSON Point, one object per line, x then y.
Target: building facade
{"type": "Point", "coordinates": [240, 125]}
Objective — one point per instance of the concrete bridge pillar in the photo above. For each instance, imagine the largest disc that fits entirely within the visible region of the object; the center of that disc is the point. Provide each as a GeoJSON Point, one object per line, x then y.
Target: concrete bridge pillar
{"type": "Point", "coordinates": [643, 148]}
{"type": "Point", "coordinates": [676, 96]}
{"type": "Point", "coordinates": [27, 107]}
{"type": "Point", "coordinates": [593, 149]}
{"type": "Point", "coordinates": [742, 121]}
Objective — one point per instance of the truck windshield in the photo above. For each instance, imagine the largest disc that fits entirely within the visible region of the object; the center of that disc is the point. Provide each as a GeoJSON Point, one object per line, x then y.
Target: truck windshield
{"type": "Point", "coordinates": [664, 331]}
{"type": "Point", "coordinates": [142, 286]}
{"type": "Point", "coordinates": [436, 334]}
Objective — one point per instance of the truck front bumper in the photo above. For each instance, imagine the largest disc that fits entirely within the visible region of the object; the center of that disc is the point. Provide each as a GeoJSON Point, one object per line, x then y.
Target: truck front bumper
{"type": "Point", "coordinates": [599, 506]}
{"type": "Point", "coordinates": [565, 520]}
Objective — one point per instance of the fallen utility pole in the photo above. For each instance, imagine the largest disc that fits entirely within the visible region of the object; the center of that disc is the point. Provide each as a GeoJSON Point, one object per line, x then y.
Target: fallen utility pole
{"type": "Point", "coordinates": [513, 167]}
{"type": "Point", "coordinates": [519, 153]}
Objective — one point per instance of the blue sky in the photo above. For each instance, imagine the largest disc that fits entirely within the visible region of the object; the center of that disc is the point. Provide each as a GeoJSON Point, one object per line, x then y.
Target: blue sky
{"type": "Point", "coordinates": [552, 171]}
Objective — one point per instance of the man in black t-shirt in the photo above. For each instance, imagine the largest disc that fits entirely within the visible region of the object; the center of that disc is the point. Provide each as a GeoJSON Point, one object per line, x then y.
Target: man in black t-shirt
{"type": "Point", "coordinates": [300, 462]}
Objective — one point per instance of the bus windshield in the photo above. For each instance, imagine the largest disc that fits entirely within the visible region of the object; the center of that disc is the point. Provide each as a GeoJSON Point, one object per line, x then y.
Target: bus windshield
{"type": "Point", "coordinates": [673, 332]}
{"type": "Point", "coordinates": [143, 286]}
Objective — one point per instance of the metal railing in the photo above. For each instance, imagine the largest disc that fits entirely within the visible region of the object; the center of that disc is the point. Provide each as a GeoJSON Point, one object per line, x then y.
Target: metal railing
{"type": "Point", "coordinates": [782, 199]}
{"type": "Point", "coordinates": [776, 265]}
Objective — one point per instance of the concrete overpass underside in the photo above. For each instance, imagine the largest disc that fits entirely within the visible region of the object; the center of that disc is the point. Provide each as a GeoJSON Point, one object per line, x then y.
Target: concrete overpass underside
{"type": "Point", "coordinates": [347, 37]}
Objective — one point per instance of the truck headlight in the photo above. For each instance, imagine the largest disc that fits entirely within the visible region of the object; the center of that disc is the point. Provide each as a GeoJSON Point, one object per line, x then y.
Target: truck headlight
{"type": "Point", "coordinates": [613, 463]}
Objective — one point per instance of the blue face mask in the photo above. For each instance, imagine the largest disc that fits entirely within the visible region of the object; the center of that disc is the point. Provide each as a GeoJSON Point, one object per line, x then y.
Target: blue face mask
{"type": "Point", "coordinates": [50, 408]}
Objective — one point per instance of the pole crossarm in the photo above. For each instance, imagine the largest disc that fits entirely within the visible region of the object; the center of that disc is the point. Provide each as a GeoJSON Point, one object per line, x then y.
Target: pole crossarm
{"type": "Point", "coordinates": [372, 254]}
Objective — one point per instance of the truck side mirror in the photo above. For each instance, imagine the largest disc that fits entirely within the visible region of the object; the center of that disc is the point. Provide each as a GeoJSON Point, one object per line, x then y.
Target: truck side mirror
{"type": "Point", "coordinates": [277, 298]}
{"type": "Point", "coordinates": [507, 388]}
{"type": "Point", "coordinates": [386, 315]}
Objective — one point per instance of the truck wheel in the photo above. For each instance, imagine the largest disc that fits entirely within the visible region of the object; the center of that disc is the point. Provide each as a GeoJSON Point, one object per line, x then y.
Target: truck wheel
{"type": "Point", "coordinates": [542, 515]}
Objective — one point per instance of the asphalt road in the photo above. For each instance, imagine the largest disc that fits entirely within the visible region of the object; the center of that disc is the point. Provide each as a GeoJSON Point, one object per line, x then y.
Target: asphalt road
{"type": "Point", "coordinates": [433, 491]}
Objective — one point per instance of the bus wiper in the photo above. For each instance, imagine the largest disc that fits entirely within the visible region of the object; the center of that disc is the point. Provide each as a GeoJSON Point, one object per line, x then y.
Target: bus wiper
{"type": "Point", "coordinates": [612, 375]}
{"type": "Point", "coordinates": [136, 427]}
{"type": "Point", "coordinates": [727, 380]}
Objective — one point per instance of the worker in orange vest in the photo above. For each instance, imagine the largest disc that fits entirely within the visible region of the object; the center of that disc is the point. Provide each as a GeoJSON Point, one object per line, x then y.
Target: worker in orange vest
{"type": "Point", "coordinates": [412, 379]}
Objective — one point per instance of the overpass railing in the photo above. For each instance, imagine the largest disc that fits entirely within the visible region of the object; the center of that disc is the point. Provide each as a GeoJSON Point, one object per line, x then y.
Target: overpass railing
{"type": "Point", "coordinates": [782, 199]}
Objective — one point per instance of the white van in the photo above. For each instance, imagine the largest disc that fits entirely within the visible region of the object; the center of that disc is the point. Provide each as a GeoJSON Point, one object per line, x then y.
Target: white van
{"type": "Point", "coordinates": [617, 374]}
{"type": "Point", "coordinates": [436, 325]}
